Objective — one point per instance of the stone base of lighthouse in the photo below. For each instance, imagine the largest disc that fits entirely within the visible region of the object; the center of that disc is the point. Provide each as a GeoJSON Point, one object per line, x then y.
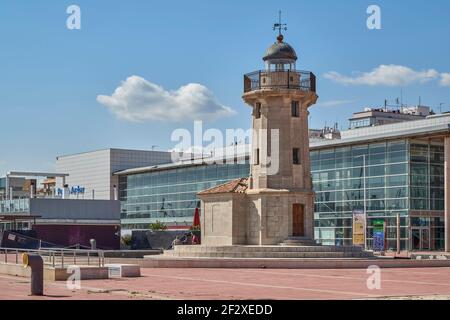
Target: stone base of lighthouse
{"type": "Point", "coordinates": [255, 224]}
{"type": "Point", "coordinates": [235, 215]}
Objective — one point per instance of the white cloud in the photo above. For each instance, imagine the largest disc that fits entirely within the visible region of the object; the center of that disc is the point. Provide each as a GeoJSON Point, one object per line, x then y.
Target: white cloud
{"type": "Point", "coordinates": [138, 100]}
{"type": "Point", "coordinates": [445, 79]}
{"type": "Point", "coordinates": [335, 103]}
{"type": "Point", "coordinates": [385, 75]}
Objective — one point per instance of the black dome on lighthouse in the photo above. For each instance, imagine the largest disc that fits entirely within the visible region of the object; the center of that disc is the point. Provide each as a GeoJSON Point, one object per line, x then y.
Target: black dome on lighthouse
{"type": "Point", "coordinates": [280, 51]}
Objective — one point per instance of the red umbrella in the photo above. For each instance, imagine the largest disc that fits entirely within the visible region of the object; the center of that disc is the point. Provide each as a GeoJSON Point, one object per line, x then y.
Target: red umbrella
{"type": "Point", "coordinates": [196, 218]}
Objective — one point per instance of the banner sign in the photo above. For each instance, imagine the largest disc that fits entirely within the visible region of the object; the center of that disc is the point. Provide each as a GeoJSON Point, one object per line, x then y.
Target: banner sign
{"type": "Point", "coordinates": [359, 228]}
{"type": "Point", "coordinates": [378, 235]}
{"type": "Point", "coordinates": [73, 191]}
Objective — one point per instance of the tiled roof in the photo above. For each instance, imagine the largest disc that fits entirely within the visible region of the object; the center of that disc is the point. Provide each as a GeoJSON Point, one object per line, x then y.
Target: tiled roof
{"type": "Point", "coordinates": [235, 186]}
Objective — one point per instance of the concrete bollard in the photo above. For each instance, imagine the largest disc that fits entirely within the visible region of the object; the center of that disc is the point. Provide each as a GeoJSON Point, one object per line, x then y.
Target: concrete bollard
{"type": "Point", "coordinates": [36, 263]}
{"type": "Point", "coordinates": [93, 244]}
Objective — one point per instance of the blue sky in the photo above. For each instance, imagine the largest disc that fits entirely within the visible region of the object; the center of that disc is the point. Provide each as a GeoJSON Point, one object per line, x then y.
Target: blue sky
{"type": "Point", "coordinates": [50, 77]}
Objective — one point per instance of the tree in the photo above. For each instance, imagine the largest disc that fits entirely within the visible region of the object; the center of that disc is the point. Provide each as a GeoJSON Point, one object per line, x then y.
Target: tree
{"type": "Point", "coordinates": [126, 239]}
{"type": "Point", "coordinates": [157, 226]}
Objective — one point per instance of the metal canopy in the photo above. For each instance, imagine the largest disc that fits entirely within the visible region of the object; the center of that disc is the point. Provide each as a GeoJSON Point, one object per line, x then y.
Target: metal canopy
{"type": "Point", "coordinates": [36, 174]}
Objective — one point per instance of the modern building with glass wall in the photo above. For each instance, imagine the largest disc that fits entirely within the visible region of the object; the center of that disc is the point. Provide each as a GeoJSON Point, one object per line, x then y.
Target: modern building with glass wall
{"type": "Point", "coordinates": [384, 171]}
{"type": "Point", "coordinates": [168, 193]}
{"type": "Point", "coordinates": [401, 170]}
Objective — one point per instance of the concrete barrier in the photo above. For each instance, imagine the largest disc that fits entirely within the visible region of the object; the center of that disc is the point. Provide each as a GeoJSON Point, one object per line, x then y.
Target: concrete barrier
{"type": "Point", "coordinates": [123, 270]}
{"type": "Point", "coordinates": [86, 273]}
{"type": "Point", "coordinates": [55, 274]}
{"type": "Point", "coordinates": [133, 254]}
{"type": "Point", "coordinates": [236, 263]}
{"type": "Point", "coordinates": [430, 256]}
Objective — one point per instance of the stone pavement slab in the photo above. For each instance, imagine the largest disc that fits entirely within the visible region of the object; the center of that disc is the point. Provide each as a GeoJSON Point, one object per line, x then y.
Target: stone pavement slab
{"type": "Point", "coordinates": [236, 284]}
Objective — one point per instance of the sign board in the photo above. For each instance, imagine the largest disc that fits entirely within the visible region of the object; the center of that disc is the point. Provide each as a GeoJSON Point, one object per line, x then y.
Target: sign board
{"type": "Point", "coordinates": [359, 228]}
{"type": "Point", "coordinates": [77, 190]}
{"type": "Point", "coordinates": [73, 191]}
{"type": "Point", "coordinates": [358, 239]}
{"type": "Point", "coordinates": [114, 271]}
{"type": "Point", "coordinates": [378, 235]}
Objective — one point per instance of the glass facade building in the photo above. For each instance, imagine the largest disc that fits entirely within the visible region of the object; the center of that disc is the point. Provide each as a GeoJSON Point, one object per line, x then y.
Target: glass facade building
{"type": "Point", "coordinates": [170, 194]}
{"type": "Point", "coordinates": [389, 170]}
{"type": "Point", "coordinates": [14, 207]}
{"type": "Point", "coordinates": [404, 177]}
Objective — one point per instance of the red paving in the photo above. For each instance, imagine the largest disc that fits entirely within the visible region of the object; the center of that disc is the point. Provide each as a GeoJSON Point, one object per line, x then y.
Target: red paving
{"type": "Point", "coordinates": [244, 284]}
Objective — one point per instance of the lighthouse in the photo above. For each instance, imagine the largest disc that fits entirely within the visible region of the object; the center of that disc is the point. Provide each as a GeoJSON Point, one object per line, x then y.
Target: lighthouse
{"type": "Point", "coordinates": [275, 204]}
{"type": "Point", "coordinates": [280, 96]}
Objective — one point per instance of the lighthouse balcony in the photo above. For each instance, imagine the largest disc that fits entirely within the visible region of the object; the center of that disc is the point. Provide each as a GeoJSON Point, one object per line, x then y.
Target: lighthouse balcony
{"type": "Point", "coordinates": [280, 79]}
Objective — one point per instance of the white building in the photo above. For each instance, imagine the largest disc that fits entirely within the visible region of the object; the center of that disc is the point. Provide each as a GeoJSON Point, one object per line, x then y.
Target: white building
{"type": "Point", "coordinates": [92, 172]}
{"type": "Point", "coordinates": [380, 116]}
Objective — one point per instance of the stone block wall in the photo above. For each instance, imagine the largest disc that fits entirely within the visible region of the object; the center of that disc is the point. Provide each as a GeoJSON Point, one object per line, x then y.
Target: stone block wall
{"type": "Point", "coordinates": [253, 221]}
{"type": "Point", "coordinates": [240, 217]}
{"type": "Point", "coordinates": [216, 220]}
{"type": "Point", "coordinates": [259, 218]}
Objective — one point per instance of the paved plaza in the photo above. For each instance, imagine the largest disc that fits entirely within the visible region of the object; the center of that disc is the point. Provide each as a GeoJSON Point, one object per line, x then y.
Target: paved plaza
{"type": "Point", "coordinates": [161, 284]}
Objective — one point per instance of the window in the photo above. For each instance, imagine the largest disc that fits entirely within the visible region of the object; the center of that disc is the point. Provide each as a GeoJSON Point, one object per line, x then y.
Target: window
{"type": "Point", "coordinates": [294, 109]}
{"type": "Point", "coordinates": [258, 110]}
{"type": "Point", "coordinates": [257, 157]}
{"type": "Point", "coordinates": [296, 156]}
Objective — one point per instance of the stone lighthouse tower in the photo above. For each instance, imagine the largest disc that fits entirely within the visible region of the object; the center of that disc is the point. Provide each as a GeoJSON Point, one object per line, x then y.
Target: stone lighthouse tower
{"type": "Point", "coordinates": [275, 204]}
{"type": "Point", "coordinates": [280, 96]}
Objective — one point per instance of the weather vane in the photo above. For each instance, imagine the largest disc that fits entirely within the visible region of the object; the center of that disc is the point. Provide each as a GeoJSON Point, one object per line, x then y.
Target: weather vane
{"type": "Point", "coordinates": [280, 26]}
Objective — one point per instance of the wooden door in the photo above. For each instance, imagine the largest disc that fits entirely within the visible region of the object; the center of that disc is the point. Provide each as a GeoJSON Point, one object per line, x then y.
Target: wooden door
{"type": "Point", "coordinates": [298, 220]}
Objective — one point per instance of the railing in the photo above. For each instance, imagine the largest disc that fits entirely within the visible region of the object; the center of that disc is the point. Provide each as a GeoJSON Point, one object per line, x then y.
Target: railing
{"type": "Point", "coordinates": [56, 257]}
{"type": "Point", "coordinates": [283, 79]}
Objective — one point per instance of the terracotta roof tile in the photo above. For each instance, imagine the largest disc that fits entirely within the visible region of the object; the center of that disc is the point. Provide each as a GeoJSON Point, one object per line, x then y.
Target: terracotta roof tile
{"type": "Point", "coordinates": [234, 186]}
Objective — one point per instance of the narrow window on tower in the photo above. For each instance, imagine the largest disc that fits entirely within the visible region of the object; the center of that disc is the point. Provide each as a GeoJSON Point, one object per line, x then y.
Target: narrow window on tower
{"type": "Point", "coordinates": [296, 156]}
{"type": "Point", "coordinates": [258, 110]}
{"type": "Point", "coordinates": [295, 109]}
{"type": "Point", "coordinates": [257, 157]}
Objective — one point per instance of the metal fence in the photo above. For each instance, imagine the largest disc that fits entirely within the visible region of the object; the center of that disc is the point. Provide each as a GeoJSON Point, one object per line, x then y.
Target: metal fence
{"type": "Point", "coordinates": [56, 257]}
{"type": "Point", "coordinates": [280, 79]}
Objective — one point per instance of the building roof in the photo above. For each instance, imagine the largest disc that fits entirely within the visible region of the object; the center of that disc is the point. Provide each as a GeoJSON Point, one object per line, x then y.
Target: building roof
{"type": "Point", "coordinates": [280, 51]}
{"type": "Point", "coordinates": [234, 186]}
{"type": "Point", "coordinates": [433, 125]}
{"type": "Point", "coordinates": [185, 164]}
{"type": "Point", "coordinates": [110, 150]}
{"type": "Point", "coordinates": [385, 114]}
{"type": "Point", "coordinates": [35, 174]}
